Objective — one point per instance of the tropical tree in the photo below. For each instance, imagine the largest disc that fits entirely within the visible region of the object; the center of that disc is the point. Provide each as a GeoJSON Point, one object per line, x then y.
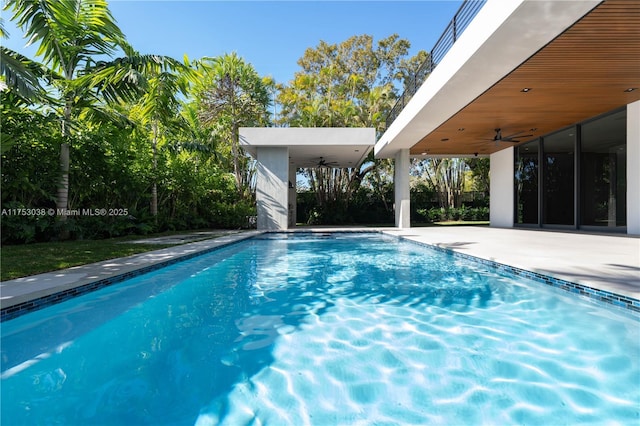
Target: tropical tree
{"type": "Point", "coordinates": [77, 43]}
{"type": "Point", "coordinates": [445, 176]}
{"type": "Point", "coordinates": [380, 182]}
{"type": "Point", "coordinates": [350, 84]}
{"type": "Point", "coordinates": [412, 72]}
{"type": "Point", "coordinates": [20, 85]}
{"type": "Point", "coordinates": [71, 35]}
{"type": "Point", "coordinates": [200, 139]}
{"type": "Point", "coordinates": [480, 168]}
{"type": "Point", "coordinates": [158, 109]}
{"type": "Point", "coordinates": [233, 95]}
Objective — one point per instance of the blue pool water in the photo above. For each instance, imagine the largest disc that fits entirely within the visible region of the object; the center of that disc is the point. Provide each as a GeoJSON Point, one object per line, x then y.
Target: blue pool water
{"type": "Point", "coordinates": [342, 329]}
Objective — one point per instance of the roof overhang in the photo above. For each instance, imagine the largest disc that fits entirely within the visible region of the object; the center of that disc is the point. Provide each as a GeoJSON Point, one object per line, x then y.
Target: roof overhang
{"type": "Point", "coordinates": [338, 147]}
{"type": "Point", "coordinates": [576, 57]}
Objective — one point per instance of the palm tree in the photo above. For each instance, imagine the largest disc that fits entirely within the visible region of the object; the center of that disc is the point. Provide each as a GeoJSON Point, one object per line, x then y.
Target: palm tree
{"type": "Point", "coordinates": [70, 34]}
{"type": "Point", "coordinates": [158, 109]}
{"type": "Point", "coordinates": [20, 73]}
{"type": "Point", "coordinates": [234, 95]}
{"type": "Point", "coordinates": [21, 83]}
{"type": "Point", "coordinates": [74, 36]}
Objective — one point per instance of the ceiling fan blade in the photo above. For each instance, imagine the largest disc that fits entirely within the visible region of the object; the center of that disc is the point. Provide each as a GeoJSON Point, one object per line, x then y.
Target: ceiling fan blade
{"type": "Point", "coordinates": [517, 134]}
{"type": "Point", "coordinates": [511, 139]}
{"type": "Point", "coordinates": [322, 162]}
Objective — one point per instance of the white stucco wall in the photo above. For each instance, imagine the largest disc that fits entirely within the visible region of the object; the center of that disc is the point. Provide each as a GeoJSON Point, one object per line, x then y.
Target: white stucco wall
{"type": "Point", "coordinates": [633, 168]}
{"type": "Point", "coordinates": [272, 188]}
{"type": "Point", "coordinates": [401, 189]}
{"type": "Point", "coordinates": [501, 189]}
{"type": "Point", "coordinates": [293, 196]}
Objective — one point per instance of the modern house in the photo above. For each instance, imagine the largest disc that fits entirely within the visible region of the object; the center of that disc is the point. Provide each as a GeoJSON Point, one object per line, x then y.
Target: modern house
{"type": "Point", "coordinates": [550, 91]}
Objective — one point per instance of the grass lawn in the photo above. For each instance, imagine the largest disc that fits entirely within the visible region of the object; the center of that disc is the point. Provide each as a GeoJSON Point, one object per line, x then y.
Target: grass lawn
{"type": "Point", "coordinates": [29, 259]}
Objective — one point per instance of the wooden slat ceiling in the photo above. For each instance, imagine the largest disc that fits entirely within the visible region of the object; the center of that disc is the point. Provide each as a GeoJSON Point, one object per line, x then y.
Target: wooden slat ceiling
{"type": "Point", "coordinates": [582, 73]}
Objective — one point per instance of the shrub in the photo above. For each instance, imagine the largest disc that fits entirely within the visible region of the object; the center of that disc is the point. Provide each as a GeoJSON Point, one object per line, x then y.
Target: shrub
{"type": "Point", "coordinates": [233, 215]}
{"type": "Point", "coordinates": [439, 214]}
{"type": "Point", "coordinates": [18, 229]}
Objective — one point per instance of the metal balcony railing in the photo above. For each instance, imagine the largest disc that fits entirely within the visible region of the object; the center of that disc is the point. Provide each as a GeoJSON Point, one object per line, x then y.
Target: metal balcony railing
{"type": "Point", "coordinates": [458, 24]}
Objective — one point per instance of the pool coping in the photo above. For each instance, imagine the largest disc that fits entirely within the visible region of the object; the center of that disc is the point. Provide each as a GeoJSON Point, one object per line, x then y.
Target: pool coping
{"type": "Point", "coordinates": [54, 287]}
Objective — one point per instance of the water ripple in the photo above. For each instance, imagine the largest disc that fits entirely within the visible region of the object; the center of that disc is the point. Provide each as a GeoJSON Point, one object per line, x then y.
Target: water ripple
{"type": "Point", "coordinates": [443, 369]}
{"type": "Point", "coordinates": [323, 331]}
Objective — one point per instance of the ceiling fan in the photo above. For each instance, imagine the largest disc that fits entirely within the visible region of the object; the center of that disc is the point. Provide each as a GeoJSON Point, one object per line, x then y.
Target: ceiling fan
{"type": "Point", "coordinates": [511, 138]}
{"type": "Point", "coordinates": [324, 163]}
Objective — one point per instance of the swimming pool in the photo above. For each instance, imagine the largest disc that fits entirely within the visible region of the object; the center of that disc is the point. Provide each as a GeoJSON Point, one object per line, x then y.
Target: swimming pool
{"type": "Point", "coordinates": [323, 329]}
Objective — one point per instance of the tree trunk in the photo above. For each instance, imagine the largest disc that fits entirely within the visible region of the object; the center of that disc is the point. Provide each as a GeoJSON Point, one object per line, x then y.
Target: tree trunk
{"type": "Point", "coordinates": [236, 160]}
{"type": "Point", "coordinates": [63, 188]}
{"type": "Point", "coordinates": [154, 199]}
{"type": "Point", "coordinates": [62, 199]}
{"type": "Point", "coordinates": [154, 185]}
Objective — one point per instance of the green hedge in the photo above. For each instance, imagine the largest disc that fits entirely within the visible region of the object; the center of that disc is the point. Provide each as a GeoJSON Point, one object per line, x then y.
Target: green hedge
{"type": "Point", "coordinates": [462, 213]}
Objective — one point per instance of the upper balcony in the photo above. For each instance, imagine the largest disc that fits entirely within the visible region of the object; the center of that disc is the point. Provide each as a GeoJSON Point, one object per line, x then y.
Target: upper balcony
{"type": "Point", "coordinates": [458, 24]}
{"type": "Point", "coordinates": [525, 67]}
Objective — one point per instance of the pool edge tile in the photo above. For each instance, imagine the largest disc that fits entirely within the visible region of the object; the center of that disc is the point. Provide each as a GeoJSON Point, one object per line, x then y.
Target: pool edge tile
{"type": "Point", "coordinates": [68, 291]}
{"type": "Point", "coordinates": [594, 294]}
{"type": "Point", "coordinates": [598, 295]}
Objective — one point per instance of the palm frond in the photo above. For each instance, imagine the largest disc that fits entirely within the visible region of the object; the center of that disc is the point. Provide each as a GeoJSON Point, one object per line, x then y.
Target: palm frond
{"type": "Point", "coordinates": [20, 73]}
{"type": "Point", "coordinates": [127, 78]}
{"type": "Point", "coordinates": [102, 114]}
{"type": "Point", "coordinates": [68, 32]}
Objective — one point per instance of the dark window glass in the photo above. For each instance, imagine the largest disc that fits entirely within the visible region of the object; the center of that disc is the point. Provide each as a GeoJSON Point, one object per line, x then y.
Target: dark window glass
{"type": "Point", "coordinates": [526, 174]}
{"type": "Point", "coordinates": [603, 171]}
{"type": "Point", "coordinates": [558, 178]}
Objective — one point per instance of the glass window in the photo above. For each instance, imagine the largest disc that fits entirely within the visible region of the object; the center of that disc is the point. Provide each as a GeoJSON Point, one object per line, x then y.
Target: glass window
{"type": "Point", "coordinates": [603, 161]}
{"type": "Point", "coordinates": [526, 174]}
{"type": "Point", "coordinates": [558, 178]}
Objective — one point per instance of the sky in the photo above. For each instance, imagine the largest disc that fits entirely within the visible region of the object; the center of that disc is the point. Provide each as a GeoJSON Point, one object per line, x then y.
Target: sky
{"type": "Point", "coordinates": [271, 35]}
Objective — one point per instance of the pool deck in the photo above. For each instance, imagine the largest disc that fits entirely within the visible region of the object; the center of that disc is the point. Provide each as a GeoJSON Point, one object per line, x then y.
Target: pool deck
{"type": "Point", "coordinates": [604, 262]}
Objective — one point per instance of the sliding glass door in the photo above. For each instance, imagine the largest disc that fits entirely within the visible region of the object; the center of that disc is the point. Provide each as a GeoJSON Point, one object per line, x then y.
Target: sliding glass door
{"type": "Point", "coordinates": [527, 177]}
{"type": "Point", "coordinates": [574, 178]}
{"type": "Point", "coordinates": [558, 186]}
{"type": "Point", "coordinates": [603, 167]}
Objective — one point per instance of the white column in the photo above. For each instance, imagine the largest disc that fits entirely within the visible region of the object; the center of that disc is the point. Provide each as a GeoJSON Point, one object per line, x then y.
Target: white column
{"type": "Point", "coordinates": [292, 196]}
{"type": "Point", "coordinates": [633, 168]}
{"type": "Point", "coordinates": [272, 188]}
{"type": "Point", "coordinates": [501, 199]}
{"type": "Point", "coordinates": [401, 189]}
